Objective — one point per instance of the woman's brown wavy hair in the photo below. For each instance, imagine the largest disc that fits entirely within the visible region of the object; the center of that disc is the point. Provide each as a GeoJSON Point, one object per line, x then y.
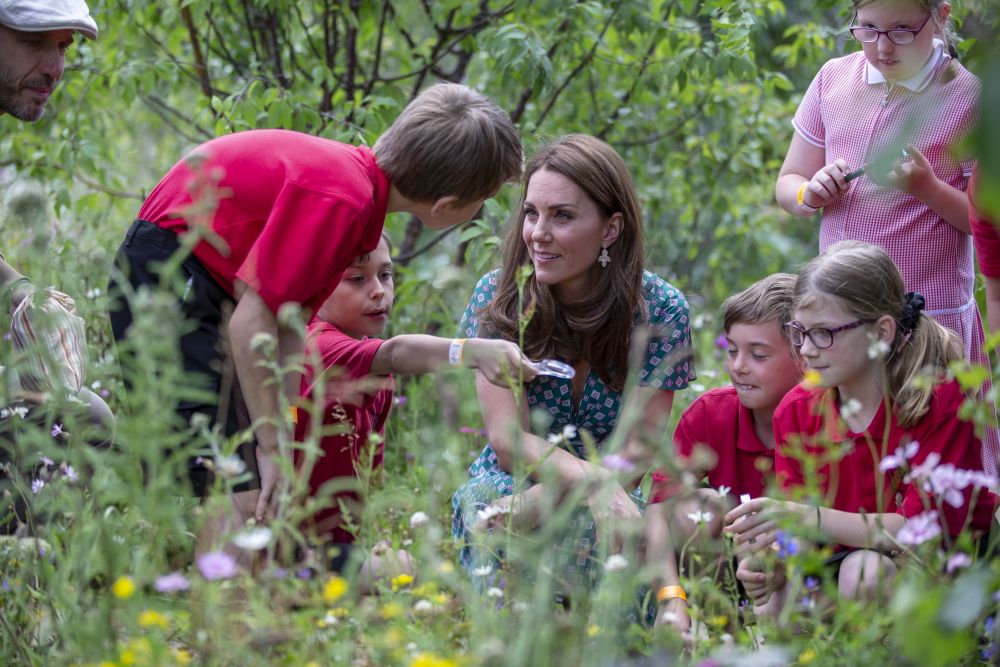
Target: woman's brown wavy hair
{"type": "Point", "coordinates": [597, 329]}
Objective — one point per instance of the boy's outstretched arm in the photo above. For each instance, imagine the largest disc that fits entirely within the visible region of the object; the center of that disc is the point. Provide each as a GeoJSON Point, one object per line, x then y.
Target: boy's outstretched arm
{"type": "Point", "coordinates": [411, 354]}
{"type": "Point", "coordinates": [253, 316]}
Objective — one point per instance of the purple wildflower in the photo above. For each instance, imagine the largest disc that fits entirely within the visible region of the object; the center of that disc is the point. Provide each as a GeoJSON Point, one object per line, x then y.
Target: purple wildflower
{"type": "Point", "coordinates": [722, 342]}
{"type": "Point", "coordinates": [304, 573]}
{"type": "Point", "coordinates": [400, 400]}
{"type": "Point", "coordinates": [56, 431]}
{"type": "Point", "coordinates": [36, 485]}
{"type": "Point", "coordinates": [617, 463]}
{"type": "Point", "coordinates": [172, 583]}
{"type": "Point", "coordinates": [812, 583]}
{"type": "Point", "coordinates": [47, 461]}
{"type": "Point", "coordinates": [988, 625]}
{"type": "Point", "coordinates": [899, 459]}
{"type": "Point", "coordinates": [786, 545]}
{"type": "Point", "coordinates": [5, 586]}
{"type": "Point", "coordinates": [472, 431]}
{"type": "Point", "coordinates": [919, 529]}
{"type": "Point", "coordinates": [68, 472]}
{"type": "Point", "coordinates": [105, 393]}
{"type": "Point", "coordinates": [957, 561]}
{"type": "Point", "coordinates": [216, 565]}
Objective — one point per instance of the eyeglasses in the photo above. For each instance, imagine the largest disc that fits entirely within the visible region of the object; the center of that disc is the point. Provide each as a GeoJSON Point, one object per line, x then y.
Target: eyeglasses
{"type": "Point", "coordinates": [821, 337]}
{"type": "Point", "coordinates": [900, 36]}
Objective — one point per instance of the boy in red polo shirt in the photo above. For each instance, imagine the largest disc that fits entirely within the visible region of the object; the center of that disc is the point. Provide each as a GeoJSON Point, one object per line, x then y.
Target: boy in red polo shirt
{"type": "Point", "coordinates": [732, 428]}
{"type": "Point", "coordinates": [348, 382]}
{"type": "Point", "coordinates": [279, 215]}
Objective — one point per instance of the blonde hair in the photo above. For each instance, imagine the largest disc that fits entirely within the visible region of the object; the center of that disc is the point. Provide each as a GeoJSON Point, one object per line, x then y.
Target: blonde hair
{"type": "Point", "coordinates": [869, 286]}
{"type": "Point", "coordinates": [599, 328]}
{"type": "Point", "coordinates": [450, 141]}
{"type": "Point", "coordinates": [767, 300]}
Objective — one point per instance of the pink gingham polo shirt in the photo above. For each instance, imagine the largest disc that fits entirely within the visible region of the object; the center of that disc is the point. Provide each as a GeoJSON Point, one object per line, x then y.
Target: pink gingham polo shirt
{"type": "Point", "coordinates": [843, 113]}
{"type": "Point", "coordinates": [852, 112]}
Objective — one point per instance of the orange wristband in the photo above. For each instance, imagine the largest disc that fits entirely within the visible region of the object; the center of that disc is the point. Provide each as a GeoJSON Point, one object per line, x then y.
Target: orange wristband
{"type": "Point", "coordinates": [670, 593]}
{"type": "Point", "coordinates": [293, 414]}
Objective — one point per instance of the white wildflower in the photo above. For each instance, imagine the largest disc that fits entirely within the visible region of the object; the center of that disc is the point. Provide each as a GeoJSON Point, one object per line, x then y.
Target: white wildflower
{"type": "Point", "coordinates": [724, 491]}
{"type": "Point", "coordinates": [878, 349]}
{"type": "Point", "coordinates": [745, 498]}
{"type": "Point", "coordinates": [899, 459]}
{"type": "Point", "coordinates": [615, 563]}
{"type": "Point", "coordinates": [418, 519]}
{"type": "Point", "coordinates": [230, 466]}
{"type": "Point", "coordinates": [423, 607]}
{"type": "Point", "coordinates": [494, 592]}
{"type": "Point", "coordinates": [700, 517]}
{"type": "Point", "coordinates": [253, 539]}
{"type": "Point", "coordinates": [262, 343]}
{"type": "Point", "coordinates": [483, 571]}
{"type": "Point", "coordinates": [850, 408]}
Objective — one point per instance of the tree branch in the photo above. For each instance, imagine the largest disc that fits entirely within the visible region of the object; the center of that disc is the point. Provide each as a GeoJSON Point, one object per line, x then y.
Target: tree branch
{"type": "Point", "coordinates": [200, 70]}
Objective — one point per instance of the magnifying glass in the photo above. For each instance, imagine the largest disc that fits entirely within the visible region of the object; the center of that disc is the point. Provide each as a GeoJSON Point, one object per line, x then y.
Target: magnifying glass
{"type": "Point", "coordinates": [554, 368]}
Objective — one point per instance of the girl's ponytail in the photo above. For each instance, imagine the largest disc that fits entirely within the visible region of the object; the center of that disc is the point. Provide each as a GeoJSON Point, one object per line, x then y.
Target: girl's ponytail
{"type": "Point", "coordinates": [922, 347]}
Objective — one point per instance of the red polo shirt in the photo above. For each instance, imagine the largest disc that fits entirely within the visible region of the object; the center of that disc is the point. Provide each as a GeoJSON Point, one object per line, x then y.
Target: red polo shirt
{"type": "Point", "coordinates": [984, 233]}
{"type": "Point", "coordinates": [718, 420]}
{"type": "Point", "coordinates": [293, 210]}
{"type": "Point", "coordinates": [354, 409]}
{"type": "Point", "coordinates": [853, 484]}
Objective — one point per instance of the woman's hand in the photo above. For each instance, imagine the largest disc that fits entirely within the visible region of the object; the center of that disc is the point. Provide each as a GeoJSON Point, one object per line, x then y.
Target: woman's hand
{"type": "Point", "coordinates": [756, 523]}
{"type": "Point", "coordinates": [613, 511]}
{"type": "Point", "coordinates": [827, 185]}
{"type": "Point", "coordinates": [498, 360]}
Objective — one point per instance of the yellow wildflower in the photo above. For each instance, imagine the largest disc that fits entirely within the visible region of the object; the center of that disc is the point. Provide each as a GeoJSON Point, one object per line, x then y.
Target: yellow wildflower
{"type": "Point", "coordinates": [334, 589]}
{"type": "Point", "coordinates": [391, 610]}
{"type": "Point", "coordinates": [431, 660]}
{"type": "Point", "coordinates": [720, 621]}
{"type": "Point", "coordinates": [149, 618]}
{"type": "Point", "coordinates": [812, 378]}
{"type": "Point", "coordinates": [123, 588]}
{"type": "Point", "coordinates": [446, 567]}
{"type": "Point", "coordinates": [593, 631]}
{"type": "Point", "coordinates": [182, 657]}
{"type": "Point", "coordinates": [127, 658]}
{"type": "Point", "coordinates": [401, 580]}
{"type": "Point", "coordinates": [807, 656]}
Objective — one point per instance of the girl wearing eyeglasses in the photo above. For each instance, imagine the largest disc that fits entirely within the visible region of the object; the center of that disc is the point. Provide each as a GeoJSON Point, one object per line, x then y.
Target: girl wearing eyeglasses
{"type": "Point", "coordinates": [872, 150]}
{"type": "Point", "coordinates": [879, 424]}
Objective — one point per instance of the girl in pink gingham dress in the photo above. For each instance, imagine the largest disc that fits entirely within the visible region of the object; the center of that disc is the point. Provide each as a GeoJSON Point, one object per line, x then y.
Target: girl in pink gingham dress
{"type": "Point", "coordinates": [903, 94]}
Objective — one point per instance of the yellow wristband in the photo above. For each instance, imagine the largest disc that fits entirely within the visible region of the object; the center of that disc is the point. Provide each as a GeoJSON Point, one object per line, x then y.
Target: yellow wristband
{"type": "Point", "coordinates": [800, 197]}
{"type": "Point", "coordinates": [670, 593]}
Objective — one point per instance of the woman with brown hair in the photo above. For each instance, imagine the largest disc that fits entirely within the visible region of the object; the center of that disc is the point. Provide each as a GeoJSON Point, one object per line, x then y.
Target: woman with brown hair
{"type": "Point", "coordinates": [572, 284]}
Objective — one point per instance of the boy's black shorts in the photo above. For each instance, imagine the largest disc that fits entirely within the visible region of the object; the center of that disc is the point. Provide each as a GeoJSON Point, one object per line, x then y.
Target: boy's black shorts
{"type": "Point", "coordinates": [203, 347]}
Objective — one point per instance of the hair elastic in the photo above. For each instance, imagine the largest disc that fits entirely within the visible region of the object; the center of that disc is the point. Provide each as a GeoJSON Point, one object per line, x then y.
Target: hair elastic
{"type": "Point", "coordinates": [913, 303]}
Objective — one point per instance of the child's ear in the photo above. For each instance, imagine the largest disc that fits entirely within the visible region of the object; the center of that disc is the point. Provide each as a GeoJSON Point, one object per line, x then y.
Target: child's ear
{"type": "Point", "coordinates": [885, 328]}
{"type": "Point", "coordinates": [614, 229]}
{"type": "Point", "coordinates": [443, 204]}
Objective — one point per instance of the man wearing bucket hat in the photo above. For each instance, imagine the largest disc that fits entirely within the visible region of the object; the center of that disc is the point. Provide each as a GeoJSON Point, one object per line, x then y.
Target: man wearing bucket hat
{"type": "Point", "coordinates": [34, 36]}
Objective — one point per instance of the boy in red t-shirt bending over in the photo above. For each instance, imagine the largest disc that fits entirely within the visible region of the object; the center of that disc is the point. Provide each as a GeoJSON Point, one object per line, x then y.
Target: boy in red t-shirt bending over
{"type": "Point", "coordinates": [280, 215]}
{"type": "Point", "coordinates": [726, 436]}
{"type": "Point", "coordinates": [348, 381]}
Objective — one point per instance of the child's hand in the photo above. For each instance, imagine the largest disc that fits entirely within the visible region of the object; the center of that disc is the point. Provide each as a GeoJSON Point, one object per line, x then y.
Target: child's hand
{"type": "Point", "coordinates": [758, 582]}
{"type": "Point", "coordinates": [827, 185]}
{"type": "Point", "coordinates": [498, 360]}
{"type": "Point", "coordinates": [912, 177]}
{"type": "Point", "coordinates": [755, 523]}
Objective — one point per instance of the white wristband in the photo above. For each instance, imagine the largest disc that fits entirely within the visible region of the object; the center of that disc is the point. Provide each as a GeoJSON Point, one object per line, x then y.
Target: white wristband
{"type": "Point", "coordinates": [455, 351]}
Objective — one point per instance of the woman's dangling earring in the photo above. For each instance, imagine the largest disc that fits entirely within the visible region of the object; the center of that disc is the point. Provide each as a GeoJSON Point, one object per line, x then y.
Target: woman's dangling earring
{"type": "Point", "coordinates": [604, 258]}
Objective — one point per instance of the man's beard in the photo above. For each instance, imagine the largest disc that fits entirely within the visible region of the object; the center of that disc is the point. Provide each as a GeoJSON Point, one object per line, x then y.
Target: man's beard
{"type": "Point", "coordinates": [9, 98]}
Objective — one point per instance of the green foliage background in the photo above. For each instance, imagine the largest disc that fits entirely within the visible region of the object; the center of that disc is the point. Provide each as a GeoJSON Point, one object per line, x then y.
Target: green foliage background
{"type": "Point", "coordinates": [697, 95]}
